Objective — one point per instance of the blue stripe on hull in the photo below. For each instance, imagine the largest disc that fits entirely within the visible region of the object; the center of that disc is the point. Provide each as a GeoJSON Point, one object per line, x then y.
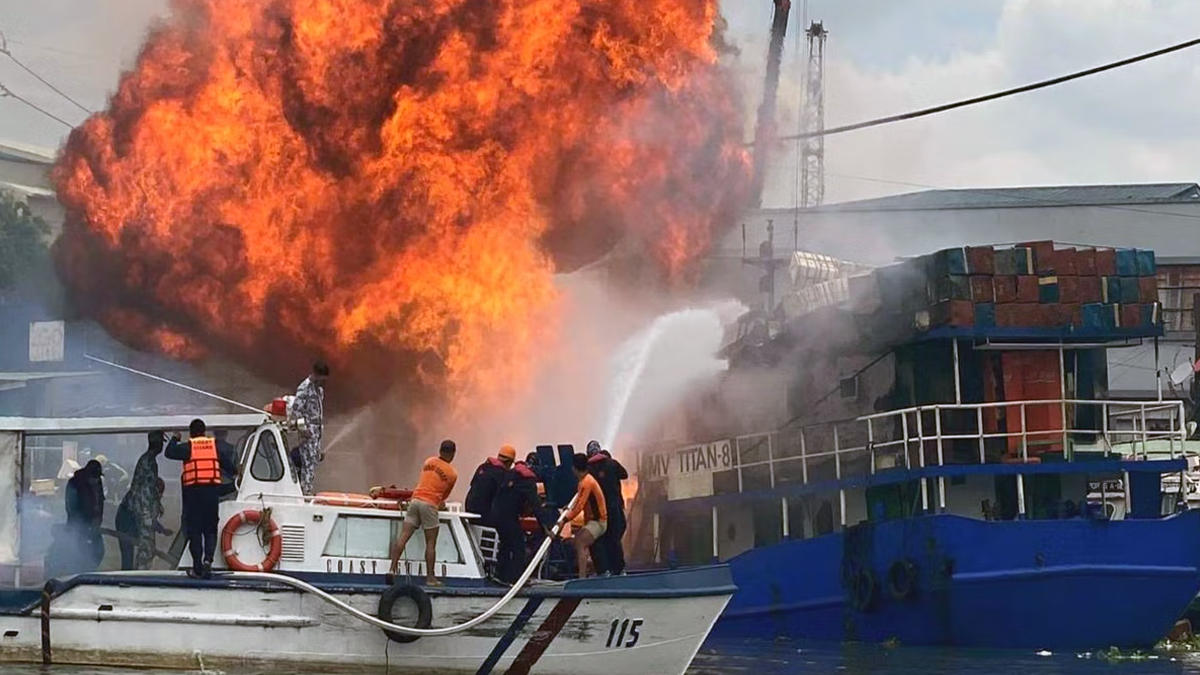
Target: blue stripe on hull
{"type": "Point", "coordinates": [509, 636]}
{"type": "Point", "coordinates": [1027, 584]}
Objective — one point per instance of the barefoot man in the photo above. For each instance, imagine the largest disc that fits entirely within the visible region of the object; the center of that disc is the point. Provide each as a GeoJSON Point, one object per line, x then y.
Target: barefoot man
{"type": "Point", "coordinates": [437, 481]}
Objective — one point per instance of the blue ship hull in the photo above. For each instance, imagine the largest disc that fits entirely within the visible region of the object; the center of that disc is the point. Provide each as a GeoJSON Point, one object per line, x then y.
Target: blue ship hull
{"type": "Point", "coordinates": [1035, 584]}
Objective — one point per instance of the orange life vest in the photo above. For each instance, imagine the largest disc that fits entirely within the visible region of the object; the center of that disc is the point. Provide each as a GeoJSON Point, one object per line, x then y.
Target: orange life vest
{"type": "Point", "coordinates": [202, 468]}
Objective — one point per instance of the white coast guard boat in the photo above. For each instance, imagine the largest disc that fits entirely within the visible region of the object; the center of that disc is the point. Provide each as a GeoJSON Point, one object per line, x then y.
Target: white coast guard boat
{"type": "Point", "coordinates": [317, 605]}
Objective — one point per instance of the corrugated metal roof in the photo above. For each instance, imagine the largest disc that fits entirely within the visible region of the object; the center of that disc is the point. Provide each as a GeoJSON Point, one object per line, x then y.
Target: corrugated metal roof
{"type": "Point", "coordinates": [1012, 197]}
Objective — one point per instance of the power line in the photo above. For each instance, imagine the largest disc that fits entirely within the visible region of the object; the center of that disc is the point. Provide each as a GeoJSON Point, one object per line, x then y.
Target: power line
{"type": "Point", "coordinates": [5, 92]}
{"type": "Point", "coordinates": [8, 52]}
{"type": "Point", "coordinates": [992, 97]}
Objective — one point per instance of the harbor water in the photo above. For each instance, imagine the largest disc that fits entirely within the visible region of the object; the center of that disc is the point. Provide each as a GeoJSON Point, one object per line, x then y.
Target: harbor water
{"type": "Point", "coordinates": [794, 658]}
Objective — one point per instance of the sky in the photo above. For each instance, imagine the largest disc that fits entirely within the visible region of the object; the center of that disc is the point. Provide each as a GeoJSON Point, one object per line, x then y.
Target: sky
{"type": "Point", "coordinates": [883, 57]}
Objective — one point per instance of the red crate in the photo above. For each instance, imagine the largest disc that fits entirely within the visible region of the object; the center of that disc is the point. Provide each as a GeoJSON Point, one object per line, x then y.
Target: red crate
{"type": "Point", "coordinates": [1027, 289]}
{"type": "Point", "coordinates": [981, 289]}
{"type": "Point", "coordinates": [1148, 289]}
{"type": "Point", "coordinates": [1006, 315]}
{"type": "Point", "coordinates": [1085, 262]}
{"type": "Point", "coordinates": [1066, 262]}
{"type": "Point", "coordinates": [1131, 315]}
{"type": "Point", "coordinates": [957, 313]}
{"type": "Point", "coordinates": [1106, 262]}
{"type": "Point", "coordinates": [1089, 289]}
{"type": "Point", "coordinates": [1043, 256]}
{"type": "Point", "coordinates": [1004, 289]}
{"type": "Point", "coordinates": [1068, 290]}
{"type": "Point", "coordinates": [981, 260]}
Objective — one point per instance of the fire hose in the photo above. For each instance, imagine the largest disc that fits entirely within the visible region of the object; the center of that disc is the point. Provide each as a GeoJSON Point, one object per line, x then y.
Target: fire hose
{"type": "Point", "coordinates": [420, 632]}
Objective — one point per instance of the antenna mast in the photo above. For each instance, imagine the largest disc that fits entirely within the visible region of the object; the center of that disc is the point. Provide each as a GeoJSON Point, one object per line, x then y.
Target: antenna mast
{"type": "Point", "coordinates": [812, 149]}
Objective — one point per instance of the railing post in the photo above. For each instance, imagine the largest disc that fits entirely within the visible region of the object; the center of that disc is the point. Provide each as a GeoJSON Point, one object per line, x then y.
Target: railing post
{"type": "Point", "coordinates": [787, 530]}
{"type": "Point", "coordinates": [871, 444]}
{"type": "Point", "coordinates": [657, 530]}
{"type": "Point", "coordinates": [1021, 496]}
{"type": "Point", "coordinates": [737, 445]}
{"type": "Point", "coordinates": [921, 458]}
{"type": "Point", "coordinates": [1024, 436]}
{"type": "Point", "coordinates": [837, 467]}
{"type": "Point", "coordinates": [1068, 453]}
{"type": "Point", "coordinates": [803, 458]}
{"type": "Point", "coordinates": [715, 537]}
{"type": "Point", "coordinates": [771, 459]}
{"type": "Point", "coordinates": [1145, 434]}
{"type": "Point", "coordinates": [1104, 429]}
{"type": "Point", "coordinates": [904, 430]}
{"type": "Point", "coordinates": [937, 423]}
{"type": "Point", "coordinates": [979, 422]}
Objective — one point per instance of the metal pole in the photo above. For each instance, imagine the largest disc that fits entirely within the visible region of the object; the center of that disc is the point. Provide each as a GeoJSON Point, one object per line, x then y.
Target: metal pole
{"type": "Point", "coordinates": [1062, 392]}
{"type": "Point", "coordinates": [871, 445]}
{"type": "Point", "coordinates": [172, 382]}
{"type": "Point", "coordinates": [957, 378]}
{"type": "Point", "coordinates": [770, 459]}
{"type": "Point", "coordinates": [979, 423]}
{"type": "Point", "coordinates": [803, 459]}
{"type": "Point", "coordinates": [716, 540]}
{"type": "Point", "coordinates": [921, 458]}
{"type": "Point", "coordinates": [657, 539]}
{"type": "Point", "coordinates": [941, 459]}
{"type": "Point", "coordinates": [837, 467]}
{"type": "Point", "coordinates": [787, 531]}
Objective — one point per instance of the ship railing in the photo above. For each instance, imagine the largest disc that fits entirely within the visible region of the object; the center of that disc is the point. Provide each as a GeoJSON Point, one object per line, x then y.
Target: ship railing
{"type": "Point", "coordinates": [957, 434]}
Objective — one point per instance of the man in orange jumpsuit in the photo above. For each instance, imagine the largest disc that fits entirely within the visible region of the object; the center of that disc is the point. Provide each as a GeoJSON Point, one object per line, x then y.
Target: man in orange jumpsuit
{"type": "Point", "coordinates": [437, 481]}
{"type": "Point", "coordinates": [589, 500]}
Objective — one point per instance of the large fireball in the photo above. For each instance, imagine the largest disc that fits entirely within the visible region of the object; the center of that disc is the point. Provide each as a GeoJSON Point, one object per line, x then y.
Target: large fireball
{"type": "Point", "coordinates": [392, 185]}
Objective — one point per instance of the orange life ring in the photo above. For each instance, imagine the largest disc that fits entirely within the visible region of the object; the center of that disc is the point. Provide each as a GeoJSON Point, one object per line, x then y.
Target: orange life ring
{"type": "Point", "coordinates": [353, 499]}
{"type": "Point", "coordinates": [251, 518]}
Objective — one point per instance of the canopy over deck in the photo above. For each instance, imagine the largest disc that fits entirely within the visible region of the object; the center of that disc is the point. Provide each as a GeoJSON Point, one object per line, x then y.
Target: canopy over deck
{"type": "Point", "coordinates": [77, 426]}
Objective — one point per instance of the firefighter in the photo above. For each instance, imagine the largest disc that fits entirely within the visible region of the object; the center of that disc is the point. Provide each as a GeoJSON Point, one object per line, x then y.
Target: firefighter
{"type": "Point", "coordinates": [517, 497]}
{"type": "Point", "coordinates": [485, 484]}
{"type": "Point", "coordinates": [201, 481]}
{"type": "Point", "coordinates": [609, 473]}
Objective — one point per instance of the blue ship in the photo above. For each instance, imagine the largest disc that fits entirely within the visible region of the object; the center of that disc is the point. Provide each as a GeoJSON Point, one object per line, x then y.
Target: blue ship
{"type": "Point", "coordinates": [985, 495]}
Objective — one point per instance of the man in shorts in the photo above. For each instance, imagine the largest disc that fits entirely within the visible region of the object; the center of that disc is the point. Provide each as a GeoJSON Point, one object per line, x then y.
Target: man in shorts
{"type": "Point", "coordinates": [589, 500]}
{"type": "Point", "coordinates": [437, 481]}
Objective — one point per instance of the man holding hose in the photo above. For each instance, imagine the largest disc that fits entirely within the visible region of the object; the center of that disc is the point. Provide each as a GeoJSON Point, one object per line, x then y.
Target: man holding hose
{"type": "Point", "coordinates": [437, 481]}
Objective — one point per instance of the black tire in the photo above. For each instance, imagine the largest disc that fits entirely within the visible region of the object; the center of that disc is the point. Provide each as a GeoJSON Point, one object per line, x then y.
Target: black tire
{"type": "Point", "coordinates": [902, 580]}
{"type": "Point", "coordinates": [387, 602]}
{"type": "Point", "coordinates": [864, 592]}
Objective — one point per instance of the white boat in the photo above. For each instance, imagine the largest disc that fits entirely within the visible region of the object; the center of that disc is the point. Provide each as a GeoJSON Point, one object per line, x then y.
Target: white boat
{"type": "Point", "coordinates": [316, 607]}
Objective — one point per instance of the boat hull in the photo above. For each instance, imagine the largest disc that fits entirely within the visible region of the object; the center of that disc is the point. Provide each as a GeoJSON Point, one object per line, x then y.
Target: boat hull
{"type": "Point", "coordinates": [649, 624]}
{"type": "Point", "coordinates": [1019, 584]}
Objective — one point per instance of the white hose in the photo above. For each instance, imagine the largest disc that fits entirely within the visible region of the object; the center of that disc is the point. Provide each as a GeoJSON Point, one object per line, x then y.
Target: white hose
{"type": "Point", "coordinates": [422, 632]}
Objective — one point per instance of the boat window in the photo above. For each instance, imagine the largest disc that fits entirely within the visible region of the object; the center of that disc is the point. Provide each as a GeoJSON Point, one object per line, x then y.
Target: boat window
{"type": "Point", "coordinates": [371, 538]}
{"type": "Point", "coordinates": [268, 463]}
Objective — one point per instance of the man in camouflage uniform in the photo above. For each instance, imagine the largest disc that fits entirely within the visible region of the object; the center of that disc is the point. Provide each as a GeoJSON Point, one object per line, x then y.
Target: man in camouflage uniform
{"type": "Point", "coordinates": [140, 510]}
{"type": "Point", "coordinates": [309, 405]}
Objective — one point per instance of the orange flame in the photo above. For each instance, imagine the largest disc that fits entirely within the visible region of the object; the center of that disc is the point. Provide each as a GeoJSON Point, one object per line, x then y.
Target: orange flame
{"type": "Point", "coordinates": [391, 185]}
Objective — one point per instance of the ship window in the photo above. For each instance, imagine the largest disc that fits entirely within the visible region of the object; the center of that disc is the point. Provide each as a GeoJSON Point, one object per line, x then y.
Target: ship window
{"type": "Point", "coordinates": [371, 538]}
{"type": "Point", "coordinates": [848, 387]}
{"type": "Point", "coordinates": [268, 464]}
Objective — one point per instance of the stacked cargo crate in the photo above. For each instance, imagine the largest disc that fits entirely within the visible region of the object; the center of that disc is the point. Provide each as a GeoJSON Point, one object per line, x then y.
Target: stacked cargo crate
{"type": "Point", "coordinates": [1040, 286]}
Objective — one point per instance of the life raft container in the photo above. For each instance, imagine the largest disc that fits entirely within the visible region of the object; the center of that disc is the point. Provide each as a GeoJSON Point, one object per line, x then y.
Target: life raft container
{"type": "Point", "coordinates": [392, 492]}
{"type": "Point", "coordinates": [353, 499]}
{"type": "Point", "coordinates": [274, 551]}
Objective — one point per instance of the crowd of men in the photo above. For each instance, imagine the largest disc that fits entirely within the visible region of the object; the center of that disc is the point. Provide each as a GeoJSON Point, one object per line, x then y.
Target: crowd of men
{"type": "Point", "coordinates": [504, 493]}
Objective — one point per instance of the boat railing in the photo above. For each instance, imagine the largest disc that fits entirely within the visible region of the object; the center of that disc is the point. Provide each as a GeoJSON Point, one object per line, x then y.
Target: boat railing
{"type": "Point", "coordinates": [1008, 432]}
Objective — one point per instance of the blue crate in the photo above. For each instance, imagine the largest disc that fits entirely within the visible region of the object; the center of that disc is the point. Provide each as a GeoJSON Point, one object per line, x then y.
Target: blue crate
{"type": "Point", "coordinates": [1048, 293]}
{"type": "Point", "coordinates": [949, 262]}
{"type": "Point", "coordinates": [985, 315]}
{"type": "Point", "coordinates": [1146, 266]}
{"type": "Point", "coordinates": [1097, 316]}
{"type": "Point", "coordinates": [1127, 265]}
{"type": "Point", "coordinates": [1131, 293]}
{"type": "Point", "coordinates": [1110, 289]}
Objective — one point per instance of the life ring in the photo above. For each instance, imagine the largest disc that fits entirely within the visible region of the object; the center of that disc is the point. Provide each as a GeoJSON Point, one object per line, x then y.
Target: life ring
{"type": "Point", "coordinates": [902, 580]}
{"type": "Point", "coordinates": [864, 590]}
{"type": "Point", "coordinates": [351, 499]}
{"type": "Point", "coordinates": [231, 528]}
{"type": "Point", "coordinates": [387, 602]}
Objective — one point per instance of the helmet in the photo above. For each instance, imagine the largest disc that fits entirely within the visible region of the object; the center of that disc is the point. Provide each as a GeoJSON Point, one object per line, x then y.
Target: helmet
{"type": "Point", "coordinates": [593, 447]}
{"type": "Point", "coordinates": [102, 459]}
